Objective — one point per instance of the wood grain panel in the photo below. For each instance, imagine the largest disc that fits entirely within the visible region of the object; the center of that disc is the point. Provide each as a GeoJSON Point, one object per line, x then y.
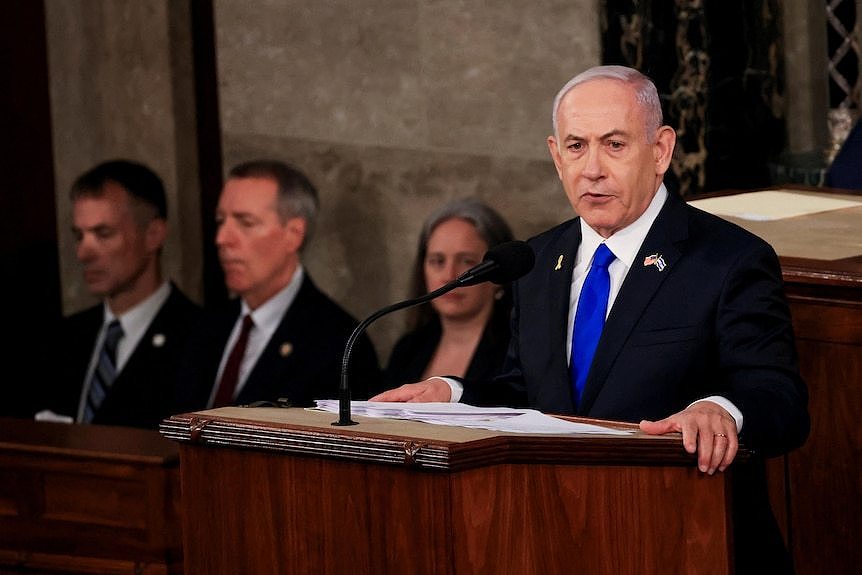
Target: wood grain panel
{"type": "Point", "coordinates": [280, 514]}
{"type": "Point", "coordinates": [825, 475]}
{"type": "Point", "coordinates": [87, 499]}
{"type": "Point", "coordinates": [817, 490]}
{"type": "Point", "coordinates": [508, 520]}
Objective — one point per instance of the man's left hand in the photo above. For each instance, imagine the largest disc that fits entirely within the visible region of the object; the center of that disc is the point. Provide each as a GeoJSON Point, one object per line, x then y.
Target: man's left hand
{"type": "Point", "coordinates": [707, 428]}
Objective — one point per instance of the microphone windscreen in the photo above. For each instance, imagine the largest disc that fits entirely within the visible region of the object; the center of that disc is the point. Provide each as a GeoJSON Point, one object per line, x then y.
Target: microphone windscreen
{"type": "Point", "coordinates": [514, 259]}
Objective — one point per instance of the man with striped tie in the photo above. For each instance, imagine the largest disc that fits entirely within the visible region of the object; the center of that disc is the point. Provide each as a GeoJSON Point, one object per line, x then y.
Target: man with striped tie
{"type": "Point", "coordinates": [113, 363]}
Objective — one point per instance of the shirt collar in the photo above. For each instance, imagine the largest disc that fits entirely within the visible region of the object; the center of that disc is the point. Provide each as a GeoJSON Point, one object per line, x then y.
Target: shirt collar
{"type": "Point", "coordinates": [626, 242]}
{"type": "Point", "coordinates": [136, 319]}
{"type": "Point", "coordinates": [267, 316]}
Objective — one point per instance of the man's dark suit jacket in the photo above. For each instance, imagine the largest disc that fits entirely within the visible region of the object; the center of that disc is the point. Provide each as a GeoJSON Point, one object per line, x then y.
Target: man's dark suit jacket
{"type": "Point", "coordinates": [714, 321]}
{"type": "Point", "coordinates": [141, 395]}
{"type": "Point", "coordinates": [301, 362]}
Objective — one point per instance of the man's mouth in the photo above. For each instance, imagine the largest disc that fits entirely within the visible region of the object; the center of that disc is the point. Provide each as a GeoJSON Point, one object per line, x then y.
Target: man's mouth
{"type": "Point", "coordinates": [596, 196]}
{"type": "Point", "coordinates": [93, 274]}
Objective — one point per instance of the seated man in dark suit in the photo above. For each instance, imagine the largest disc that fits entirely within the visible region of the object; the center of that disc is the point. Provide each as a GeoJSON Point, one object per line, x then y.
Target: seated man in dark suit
{"type": "Point", "coordinates": [114, 363]}
{"type": "Point", "coordinates": [282, 338]}
{"type": "Point", "coordinates": [689, 330]}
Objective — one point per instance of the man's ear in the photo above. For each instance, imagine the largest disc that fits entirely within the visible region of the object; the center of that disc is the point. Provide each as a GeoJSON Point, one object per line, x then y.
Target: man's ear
{"type": "Point", "coordinates": [663, 149]}
{"type": "Point", "coordinates": [156, 234]}
{"type": "Point", "coordinates": [555, 155]}
{"type": "Point", "coordinates": [296, 232]}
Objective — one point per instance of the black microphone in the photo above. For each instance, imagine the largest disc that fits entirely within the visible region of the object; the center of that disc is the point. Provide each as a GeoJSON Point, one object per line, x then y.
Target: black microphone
{"type": "Point", "coordinates": [502, 264]}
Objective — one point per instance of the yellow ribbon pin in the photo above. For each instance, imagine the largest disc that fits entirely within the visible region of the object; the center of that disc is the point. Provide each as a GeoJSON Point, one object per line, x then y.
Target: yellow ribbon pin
{"type": "Point", "coordinates": [559, 262]}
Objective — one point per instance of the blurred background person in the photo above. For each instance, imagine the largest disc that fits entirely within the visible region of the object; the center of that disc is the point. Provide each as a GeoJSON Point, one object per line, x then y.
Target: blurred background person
{"type": "Point", "coordinates": [114, 362]}
{"type": "Point", "coordinates": [465, 332]}
{"type": "Point", "coordinates": [280, 338]}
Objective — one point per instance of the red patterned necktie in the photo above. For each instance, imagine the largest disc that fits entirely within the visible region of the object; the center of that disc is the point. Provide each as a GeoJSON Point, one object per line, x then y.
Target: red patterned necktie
{"type": "Point", "coordinates": [230, 375]}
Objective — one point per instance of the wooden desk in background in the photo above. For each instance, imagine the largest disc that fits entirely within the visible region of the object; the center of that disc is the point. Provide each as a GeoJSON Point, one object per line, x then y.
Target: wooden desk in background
{"type": "Point", "coordinates": [821, 509]}
{"type": "Point", "coordinates": [78, 499]}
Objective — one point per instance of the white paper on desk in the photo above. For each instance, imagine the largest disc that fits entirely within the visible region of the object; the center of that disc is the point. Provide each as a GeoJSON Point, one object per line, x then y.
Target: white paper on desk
{"type": "Point", "coordinates": [463, 415]}
{"type": "Point", "coordinates": [768, 205]}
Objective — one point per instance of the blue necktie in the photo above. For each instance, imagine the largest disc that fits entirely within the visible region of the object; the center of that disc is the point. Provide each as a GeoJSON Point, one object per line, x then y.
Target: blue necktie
{"type": "Point", "coordinates": [590, 317]}
{"type": "Point", "coordinates": [105, 372]}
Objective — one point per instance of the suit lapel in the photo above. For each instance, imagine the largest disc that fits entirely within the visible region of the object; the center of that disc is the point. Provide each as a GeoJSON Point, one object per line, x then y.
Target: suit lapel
{"type": "Point", "coordinates": [77, 350]}
{"type": "Point", "coordinates": [216, 337]}
{"type": "Point", "coordinates": [559, 293]}
{"type": "Point", "coordinates": [638, 289]}
{"type": "Point", "coordinates": [154, 337]}
{"type": "Point", "coordinates": [274, 362]}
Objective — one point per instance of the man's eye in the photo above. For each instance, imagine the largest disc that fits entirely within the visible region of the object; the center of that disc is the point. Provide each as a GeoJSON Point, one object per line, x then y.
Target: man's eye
{"type": "Point", "coordinates": [616, 145]}
{"type": "Point", "coordinates": [576, 146]}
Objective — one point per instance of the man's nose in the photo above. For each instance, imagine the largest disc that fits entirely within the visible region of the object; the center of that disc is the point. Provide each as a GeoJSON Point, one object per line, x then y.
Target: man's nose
{"type": "Point", "coordinates": [84, 249]}
{"type": "Point", "coordinates": [593, 168]}
{"type": "Point", "coordinates": [224, 234]}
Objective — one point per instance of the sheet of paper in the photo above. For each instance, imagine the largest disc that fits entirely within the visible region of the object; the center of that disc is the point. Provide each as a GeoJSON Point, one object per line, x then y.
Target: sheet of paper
{"type": "Point", "coordinates": [463, 415]}
{"type": "Point", "coordinates": [48, 415]}
{"type": "Point", "coordinates": [771, 205]}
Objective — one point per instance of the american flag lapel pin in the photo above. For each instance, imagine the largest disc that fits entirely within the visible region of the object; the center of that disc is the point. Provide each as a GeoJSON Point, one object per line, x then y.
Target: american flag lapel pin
{"type": "Point", "coordinates": [656, 260]}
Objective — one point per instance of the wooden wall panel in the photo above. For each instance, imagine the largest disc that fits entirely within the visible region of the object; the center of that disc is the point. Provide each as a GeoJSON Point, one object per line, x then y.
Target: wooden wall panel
{"type": "Point", "coordinates": [825, 478]}
{"type": "Point", "coordinates": [87, 499]}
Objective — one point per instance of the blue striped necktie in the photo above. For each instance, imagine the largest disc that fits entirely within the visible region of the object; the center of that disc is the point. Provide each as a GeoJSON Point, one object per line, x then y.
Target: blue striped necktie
{"type": "Point", "coordinates": [105, 372]}
{"type": "Point", "coordinates": [590, 318]}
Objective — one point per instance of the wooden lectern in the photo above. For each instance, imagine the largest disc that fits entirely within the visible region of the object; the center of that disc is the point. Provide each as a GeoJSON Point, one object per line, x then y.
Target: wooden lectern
{"type": "Point", "coordinates": [268, 490]}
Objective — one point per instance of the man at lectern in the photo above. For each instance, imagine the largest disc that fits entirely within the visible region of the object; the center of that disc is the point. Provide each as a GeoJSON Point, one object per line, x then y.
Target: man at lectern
{"type": "Point", "coordinates": [282, 337]}
{"type": "Point", "coordinates": [645, 309]}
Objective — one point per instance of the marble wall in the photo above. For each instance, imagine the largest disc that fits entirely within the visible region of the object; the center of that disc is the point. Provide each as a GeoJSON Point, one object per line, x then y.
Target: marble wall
{"type": "Point", "coordinates": [393, 107]}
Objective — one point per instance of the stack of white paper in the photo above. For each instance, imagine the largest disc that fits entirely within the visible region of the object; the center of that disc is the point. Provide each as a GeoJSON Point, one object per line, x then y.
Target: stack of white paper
{"type": "Point", "coordinates": [463, 415]}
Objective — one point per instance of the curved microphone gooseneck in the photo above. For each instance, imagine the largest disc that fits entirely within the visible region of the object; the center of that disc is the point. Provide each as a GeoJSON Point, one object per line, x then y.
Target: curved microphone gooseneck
{"type": "Point", "coordinates": [503, 263]}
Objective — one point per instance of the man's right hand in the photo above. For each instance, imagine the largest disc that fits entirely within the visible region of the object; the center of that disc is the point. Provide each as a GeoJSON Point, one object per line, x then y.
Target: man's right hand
{"type": "Point", "coordinates": [433, 389]}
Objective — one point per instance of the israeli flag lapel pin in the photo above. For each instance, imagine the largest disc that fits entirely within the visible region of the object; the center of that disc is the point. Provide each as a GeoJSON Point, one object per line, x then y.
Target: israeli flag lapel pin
{"type": "Point", "coordinates": [656, 260]}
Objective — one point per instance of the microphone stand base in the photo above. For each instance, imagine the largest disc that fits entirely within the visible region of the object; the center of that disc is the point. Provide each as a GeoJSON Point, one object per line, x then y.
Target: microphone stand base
{"type": "Point", "coordinates": [347, 421]}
